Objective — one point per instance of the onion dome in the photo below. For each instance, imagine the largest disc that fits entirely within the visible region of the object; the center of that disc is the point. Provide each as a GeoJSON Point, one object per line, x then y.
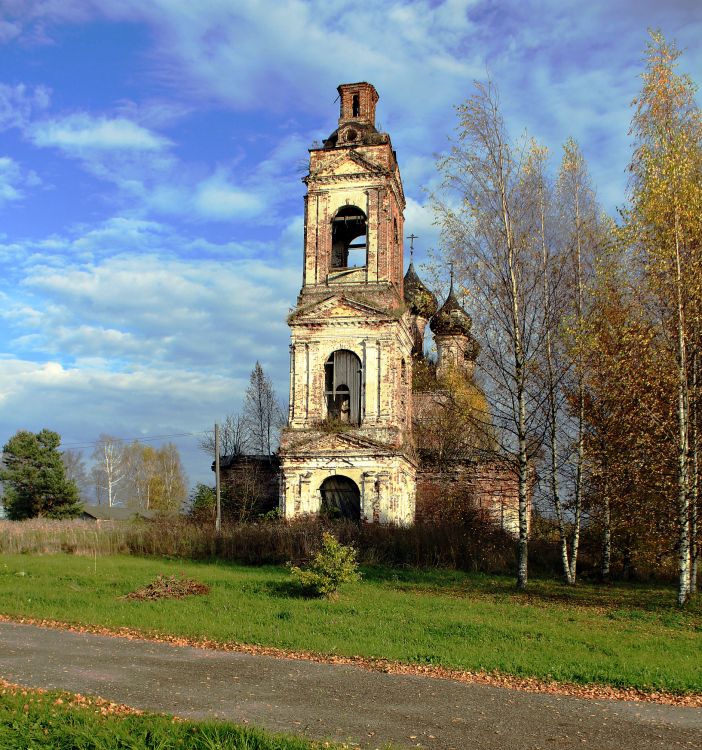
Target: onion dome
{"type": "Point", "coordinates": [472, 350]}
{"type": "Point", "coordinates": [419, 299]}
{"type": "Point", "coordinates": [452, 319]}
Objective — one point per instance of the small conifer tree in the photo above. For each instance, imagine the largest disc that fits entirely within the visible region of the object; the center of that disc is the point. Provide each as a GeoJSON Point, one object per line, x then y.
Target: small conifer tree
{"type": "Point", "coordinates": [334, 565]}
{"type": "Point", "coordinates": [34, 478]}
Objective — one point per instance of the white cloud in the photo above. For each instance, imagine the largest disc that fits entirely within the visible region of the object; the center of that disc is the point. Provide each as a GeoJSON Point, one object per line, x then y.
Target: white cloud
{"type": "Point", "coordinates": [82, 132]}
{"type": "Point", "coordinates": [13, 179]}
{"type": "Point", "coordinates": [18, 103]}
{"type": "Point", "coordinates": [8, 31]}
{"type": "Point", "coordinates": [82, 402]}
{"type": "Point", "coordinates": [216, 198]}
{"type": "Point", "coordinates": [133, 292]}
{"type": "Point", "coordinates": [9, 179]}
{"type": "Point", "coordinates": [419, 220]}
{"type": "Point", "coordinates": [128, 327]}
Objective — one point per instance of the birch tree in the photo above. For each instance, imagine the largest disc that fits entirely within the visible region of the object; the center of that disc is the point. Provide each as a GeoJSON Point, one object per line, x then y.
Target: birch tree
{"type": "Point", "coordinates": [581, 235]}
{"type": "Point", "coordinates": [155, 479]}
{"type": "Point", "coordinates": [111, 468]}
{"type": "Point", "coordinates": [172, 477]}
{"type": "Point", "coordinates": [486, 214]}
{"type": "Point", "coordinates": [666, 211]}
{"type": "Point", "coordinates": [74, 465]}
{"type": "Point", "coordinates": [628, 420]}
{"type": "Point", "coordinates": [141, 467]}
{"type": "Point", "coordinates": [554, 367]}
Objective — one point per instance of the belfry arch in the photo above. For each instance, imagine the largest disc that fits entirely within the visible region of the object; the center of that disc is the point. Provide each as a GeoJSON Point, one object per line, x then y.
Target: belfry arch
{"type": "Point", "coordinates": [349, 238]}
{"type": "Point", "coordinates": [343, 378]}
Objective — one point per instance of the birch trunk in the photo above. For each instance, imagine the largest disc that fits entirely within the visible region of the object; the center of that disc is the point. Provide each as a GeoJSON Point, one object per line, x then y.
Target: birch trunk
{"type": "Point", "coordinates": [683, 434]}
{"type": "Point", "coordinates": [694, 494]}
{"type": "Point", "coordinates": [607, 533]}
{"type": "Point", "coordinates": [577, 510]}
{"type": "Point", "coordinates": [552, 409]}
{"type": "Point", "coordinates": [519, 377]}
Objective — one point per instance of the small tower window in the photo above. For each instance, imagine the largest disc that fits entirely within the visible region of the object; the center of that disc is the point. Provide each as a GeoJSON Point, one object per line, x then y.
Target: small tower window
{"type": "Point", "coordinates": [342, 387]}
{"type": "Point", "coordinates": [349, 244]}
{"type": "Point", "coordinates": [355, 106]}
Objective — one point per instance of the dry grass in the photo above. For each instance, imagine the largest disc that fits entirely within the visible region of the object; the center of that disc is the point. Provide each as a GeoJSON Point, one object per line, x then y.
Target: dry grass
{"type": "Point", "coordinates": [41, 536]}
{"type": "Point", "coordinates": [469, 548]}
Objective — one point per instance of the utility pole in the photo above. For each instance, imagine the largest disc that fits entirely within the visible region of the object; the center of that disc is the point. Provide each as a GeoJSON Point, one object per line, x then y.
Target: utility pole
{"type": "Point", "coordinates": [218, 520]}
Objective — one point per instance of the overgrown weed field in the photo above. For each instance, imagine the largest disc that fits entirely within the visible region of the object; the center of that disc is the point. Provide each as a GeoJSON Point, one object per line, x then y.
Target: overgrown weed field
{"type": "Point", "coordinates": [34, 719]}
{"type": "Point", "coordinates": [623, 635]}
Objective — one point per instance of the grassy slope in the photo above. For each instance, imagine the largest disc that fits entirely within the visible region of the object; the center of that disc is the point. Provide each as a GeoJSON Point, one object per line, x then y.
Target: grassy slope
{"type": "Point", "coordinates": [623, 636]}
{"type": "Point", "coordinates": [29, 719]}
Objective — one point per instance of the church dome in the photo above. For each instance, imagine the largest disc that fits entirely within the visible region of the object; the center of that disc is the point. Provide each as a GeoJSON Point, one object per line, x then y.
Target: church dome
{"type": "Point", "coordinates": [419, 299]}
{"type": "Point", "coordinates": [452, 319]}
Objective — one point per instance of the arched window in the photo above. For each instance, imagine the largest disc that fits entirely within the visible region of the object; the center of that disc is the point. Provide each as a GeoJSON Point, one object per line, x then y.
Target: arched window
{"type": "Point", "coordinates": [355, 106]}
{"type": "Point", "coordinates": [348, 225]}
{"type": "Point", "coordinates": [342, 386]}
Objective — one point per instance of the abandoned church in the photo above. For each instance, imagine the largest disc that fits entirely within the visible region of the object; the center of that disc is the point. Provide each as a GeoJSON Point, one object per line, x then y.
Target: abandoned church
{"type": "Point", "coordinates": [365, 406]}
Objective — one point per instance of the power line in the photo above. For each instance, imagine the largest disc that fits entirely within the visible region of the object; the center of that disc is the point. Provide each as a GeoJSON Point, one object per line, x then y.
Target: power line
{"type": "Point", "coordinates": [139, 438]}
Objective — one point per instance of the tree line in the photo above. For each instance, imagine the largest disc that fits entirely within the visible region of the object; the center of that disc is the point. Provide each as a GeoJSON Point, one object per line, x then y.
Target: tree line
{"type": "Point", "coordinates": [41, 480]}
{"type": "Point", "coordinates": [590, 326]}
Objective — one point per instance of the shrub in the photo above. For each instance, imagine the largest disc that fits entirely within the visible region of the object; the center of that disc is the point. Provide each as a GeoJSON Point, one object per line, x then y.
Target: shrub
{"type": "Point", "coordinates": [333, 565]}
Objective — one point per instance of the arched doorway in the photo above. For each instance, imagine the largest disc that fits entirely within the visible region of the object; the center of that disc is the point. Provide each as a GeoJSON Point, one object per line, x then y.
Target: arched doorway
{"type": "Point", "coordinates": [341, 498]}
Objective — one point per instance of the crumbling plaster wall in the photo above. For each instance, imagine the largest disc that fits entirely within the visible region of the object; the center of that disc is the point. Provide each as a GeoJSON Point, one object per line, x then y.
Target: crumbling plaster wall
{"type": "Point", "coordinates": [382, 348]}
{"type": "Point", "coordinates": [386, 484]}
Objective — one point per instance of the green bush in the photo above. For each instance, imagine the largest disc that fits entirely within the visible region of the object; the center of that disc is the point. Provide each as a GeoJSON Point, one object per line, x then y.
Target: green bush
{"type": "Point", "coordinates": [333, 565]}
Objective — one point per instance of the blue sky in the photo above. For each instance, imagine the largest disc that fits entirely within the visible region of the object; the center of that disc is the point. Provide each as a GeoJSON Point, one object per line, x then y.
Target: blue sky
{"type": "Point", "coordinates": [150, 161]}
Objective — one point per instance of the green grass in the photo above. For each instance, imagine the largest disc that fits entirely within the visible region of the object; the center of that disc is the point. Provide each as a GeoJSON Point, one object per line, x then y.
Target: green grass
{"type": "Point", "coordinates": [37, 720]}
{"type": "Point", "coordinates": [625, 636]}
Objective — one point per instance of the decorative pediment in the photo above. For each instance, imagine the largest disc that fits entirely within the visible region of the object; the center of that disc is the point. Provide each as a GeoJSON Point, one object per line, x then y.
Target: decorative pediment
{"type": "Point", "coordinates": [336, 306]}
{"type": "Point", "coordinates": [332, 444]}
{"type": "Point", "coordinates": [349, 162]}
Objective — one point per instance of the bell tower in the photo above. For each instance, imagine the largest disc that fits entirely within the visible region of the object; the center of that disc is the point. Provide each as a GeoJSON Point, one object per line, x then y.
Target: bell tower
{"type": "Point", "coordinates": [354, 206]}
{"type": "Point", "coordinates": [348, 448]}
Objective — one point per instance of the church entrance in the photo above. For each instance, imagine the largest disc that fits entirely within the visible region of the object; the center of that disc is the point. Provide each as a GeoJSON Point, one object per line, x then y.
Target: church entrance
{"type": "Point", "coordinates": [341, 498]}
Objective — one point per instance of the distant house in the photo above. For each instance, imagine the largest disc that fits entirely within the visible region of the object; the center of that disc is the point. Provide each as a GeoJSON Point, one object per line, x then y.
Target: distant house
{"type": "Point", "coordinates": [115, 513]}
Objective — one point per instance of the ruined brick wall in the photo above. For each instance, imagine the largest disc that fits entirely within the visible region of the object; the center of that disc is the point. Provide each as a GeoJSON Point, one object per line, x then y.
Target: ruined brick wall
{"type": "Point", "coordinates": [250, 484]}
{"type": "Point", "coordinates": [487, 487]}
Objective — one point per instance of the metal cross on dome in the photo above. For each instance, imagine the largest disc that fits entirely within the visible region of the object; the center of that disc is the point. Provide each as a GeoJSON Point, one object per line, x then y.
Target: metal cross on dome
{"type": "Point", "coordinates": [412, 237]}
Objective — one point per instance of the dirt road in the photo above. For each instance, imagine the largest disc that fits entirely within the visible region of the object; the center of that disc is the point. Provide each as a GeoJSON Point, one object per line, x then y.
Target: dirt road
{"type": "Point", "coordinates": [340, 703]}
